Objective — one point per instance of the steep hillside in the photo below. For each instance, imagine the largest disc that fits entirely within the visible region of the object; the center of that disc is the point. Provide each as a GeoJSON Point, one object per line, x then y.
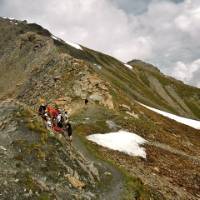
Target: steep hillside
{"type": "Point", "coordinates": [35, 165]}
{"type": "Point", "coordinates": [36, 65]}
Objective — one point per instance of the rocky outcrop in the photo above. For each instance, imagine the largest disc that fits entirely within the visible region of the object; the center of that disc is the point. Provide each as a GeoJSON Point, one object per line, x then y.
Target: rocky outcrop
{"type": "Point", "coordinates": [90, 86]}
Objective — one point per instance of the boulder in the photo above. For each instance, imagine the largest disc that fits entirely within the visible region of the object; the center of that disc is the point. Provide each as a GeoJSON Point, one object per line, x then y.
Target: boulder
{"type": "Point", "coordinates": [76, 183]}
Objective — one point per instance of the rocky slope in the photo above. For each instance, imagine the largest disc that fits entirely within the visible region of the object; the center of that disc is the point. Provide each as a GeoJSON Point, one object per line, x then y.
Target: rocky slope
{"type": "Point", "coordinates": [35, 65]}
{"type": "Point", "coordinates": [36, 165]}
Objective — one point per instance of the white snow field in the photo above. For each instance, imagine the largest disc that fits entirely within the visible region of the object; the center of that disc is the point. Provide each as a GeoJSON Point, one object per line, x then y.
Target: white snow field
{"type": "Point", "coordinates": [123, 141]}
{"type": "Point", "coordinates": [129, 66]}
{"type": "Point", "coordinates": [70, 43]}
{"type": "Point", "coordinates": [189, 122]}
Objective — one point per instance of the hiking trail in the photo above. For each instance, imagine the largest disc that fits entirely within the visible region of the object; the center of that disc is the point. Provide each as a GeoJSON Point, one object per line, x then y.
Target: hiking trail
{"type": "Point", "coordinates": [116, 188]}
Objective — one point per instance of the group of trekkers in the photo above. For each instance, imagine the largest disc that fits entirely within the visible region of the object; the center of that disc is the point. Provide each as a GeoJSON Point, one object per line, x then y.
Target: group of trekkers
{"type": "Point", "coordinates": [56, 119]}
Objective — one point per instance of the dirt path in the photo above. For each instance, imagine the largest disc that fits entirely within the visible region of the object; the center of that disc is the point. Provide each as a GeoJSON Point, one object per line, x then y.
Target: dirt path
{"type": "Point", "coordinates": [115, 188]}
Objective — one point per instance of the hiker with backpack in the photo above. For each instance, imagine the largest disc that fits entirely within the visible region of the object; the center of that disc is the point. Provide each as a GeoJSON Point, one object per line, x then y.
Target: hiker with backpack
{"type": "Point", "coordinates": [42, 112]}
{"type": "Point", "coordinates": [69, 131]}
{"type": "Point", "coordinates": [56, 119]}
{"type": "Point", "coordinates": [53, 112]}
{"type": "Point", "coordinates": [65, 124]}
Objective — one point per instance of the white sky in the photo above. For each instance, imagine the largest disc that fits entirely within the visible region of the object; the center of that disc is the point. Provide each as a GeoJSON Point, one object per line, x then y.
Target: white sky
{"type": "Point", "coordinates": [162, 32]}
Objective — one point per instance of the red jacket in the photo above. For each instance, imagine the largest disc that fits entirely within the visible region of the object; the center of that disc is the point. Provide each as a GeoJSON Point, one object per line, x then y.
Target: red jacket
{"type": "Point", "coordinates": [57, 129]}
{"type": "Point", "coordinates": [53, 113]}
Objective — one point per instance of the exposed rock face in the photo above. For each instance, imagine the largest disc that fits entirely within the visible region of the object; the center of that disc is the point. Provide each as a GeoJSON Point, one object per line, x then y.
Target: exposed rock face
{"type": "Point", "coordinates": [41, 70]}
{"type": "Point", "coordinates": [92, 87]}
{"type": "Point", "coordinates": [67, 85]}
{"type": "Point", "coordinates": [36, 165]}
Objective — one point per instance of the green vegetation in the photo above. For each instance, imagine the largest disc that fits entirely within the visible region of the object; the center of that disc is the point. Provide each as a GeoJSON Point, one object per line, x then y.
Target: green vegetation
{"type": "Point", "coordinates": [27, 150]}
{"type": "Point", "coordinates": [33, 123]}
{"type": "Point", "coordinates": [28, 182]}
{"type": "Point", "coordinates": [45, 196]}
{"type": "Point", "coordinates": [194, 107]}
{"type": "Point", "coordinates": [134, 188]}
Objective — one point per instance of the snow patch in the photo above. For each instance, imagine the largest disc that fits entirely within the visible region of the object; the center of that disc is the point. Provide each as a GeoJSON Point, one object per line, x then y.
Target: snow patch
{"type": "Point", "coordinates": [129, 66]}
{"type": "Point", "coordinates": [123, 141]}
{"type": "Point", "coordinates": [70, 43]}
{"type": "Point", "coordinates": [10, 18]}
{"type": "Point", "coordinates": [55, 38]}
{"type": "Point", "coordinates": [189, 122]}
{"type": "Point", "coordinates": [74, 45]}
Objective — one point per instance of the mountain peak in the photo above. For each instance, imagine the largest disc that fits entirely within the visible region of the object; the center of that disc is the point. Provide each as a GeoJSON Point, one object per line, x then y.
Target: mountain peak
{"type": "Point", "coordinates": [143, 65]}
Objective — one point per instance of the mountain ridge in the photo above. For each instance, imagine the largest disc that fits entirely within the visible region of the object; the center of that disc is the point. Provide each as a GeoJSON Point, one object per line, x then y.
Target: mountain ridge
{"type": "Point", "coordinates": [164, 92]}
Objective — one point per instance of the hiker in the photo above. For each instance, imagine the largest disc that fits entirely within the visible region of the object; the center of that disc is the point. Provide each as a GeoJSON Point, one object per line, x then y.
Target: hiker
{"type": "Point", "coordinates": [66, 117]}
{"type": "Point", "coordinates": [86, 101]}
{"type": "Point", "coordinates": [60, 120]}
{"type": "Point", "coordinates": [53, 113]}
{"type": "Point", "coordinates": [49, 123]}
{"type": "Point", "coordinates": [57, 120]}
{"type": "Point", "coordinates": [69, 131]}
{"type": "Point", "coordinates": [56, 128]}
{"type": "Point", "coordinates": [42, 111]}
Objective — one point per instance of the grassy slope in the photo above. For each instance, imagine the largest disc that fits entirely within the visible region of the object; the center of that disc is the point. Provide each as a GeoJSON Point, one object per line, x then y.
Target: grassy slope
{"type": "Point", "coordinates": [190, 94]}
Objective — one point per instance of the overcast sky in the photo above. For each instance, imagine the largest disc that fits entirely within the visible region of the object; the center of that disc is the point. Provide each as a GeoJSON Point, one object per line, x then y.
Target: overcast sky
{"type": "Point", "coordinates": [163, 32]}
